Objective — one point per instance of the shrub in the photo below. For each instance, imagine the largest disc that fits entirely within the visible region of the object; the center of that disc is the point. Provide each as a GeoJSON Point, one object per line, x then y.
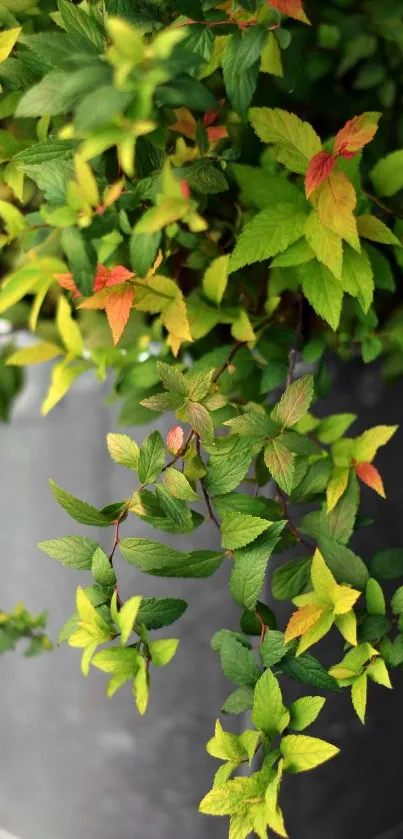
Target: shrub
{"type": "Point", "coordinates": [197, 196]}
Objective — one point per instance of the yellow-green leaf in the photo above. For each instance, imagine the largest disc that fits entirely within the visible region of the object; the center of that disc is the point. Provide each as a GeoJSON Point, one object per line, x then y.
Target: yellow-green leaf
{"type": "Point", "coordinates": [270, 59]}
{"type": "Point", "coordinates": [322, 579]}
{"type": "Point", "coordinates": [343, 599]}
{"type": "Point", "coordinates": [68, 328]}
{"type": "Point", "coordinates": [302, 753]}
{"type": "Point", "coordinates": [61, 381]}
{"type": "Point", "coordinates": [35, 354]}
{"type": "Point", "coordinates": [126, 618]}
{"type": "Point", "coordinates": [295, 142]}
{"type": "Point", "coordinates": [123, 450]}
{"type": "Point", "coordinates": [372, 228]}
{"type": "Point", "coordinates": [326, 245]}
{"type": "Point", "coordinates": [359, 696]}
{"type": "Point", "coordinates": [163, 650]}
{"type": "Point", "coordinates": [367, 444]}
{"type": "Point", "coordinates": [336, 486]}
{"type": "Point", "coordinates": [7, 40]}
{"type": "Point", "coordinates": [215, 279]}
{"type": "Point", "coordinates": [140, 687]}
{"type": "Point", "coordinates": [347, 626]}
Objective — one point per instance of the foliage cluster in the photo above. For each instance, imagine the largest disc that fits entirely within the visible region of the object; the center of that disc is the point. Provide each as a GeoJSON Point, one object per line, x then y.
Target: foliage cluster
{"type": "Point", "coordinates": [181, 205]}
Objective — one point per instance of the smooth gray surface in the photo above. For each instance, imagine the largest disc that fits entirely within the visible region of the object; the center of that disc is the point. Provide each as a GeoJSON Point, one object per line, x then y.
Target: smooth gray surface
{"type": "Point", "coordinates": [76, 764]}
{"type": "Point", "coordinates": [73, 762]}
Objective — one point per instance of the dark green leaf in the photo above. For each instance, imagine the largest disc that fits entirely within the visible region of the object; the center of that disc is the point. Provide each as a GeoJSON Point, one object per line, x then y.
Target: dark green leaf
{"type": "Point", "coordinates": [71, 551]}
{"type": "Point", "coordinates": [291, 579]}
{"type": "Point", "coordinates": [157, 612]}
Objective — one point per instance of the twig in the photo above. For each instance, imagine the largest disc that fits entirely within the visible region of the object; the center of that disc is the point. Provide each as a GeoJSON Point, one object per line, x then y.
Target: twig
{"type": "Point", "coordinates": [290, 525]}
{"type": "Point", "coordinates": [227, 362]}
{"type": "Point", "coordinates": [382, 206]}
{"type": "Point", "coordinates": [263, 627]}
{"type": "Point", "coordinates": [113, 549]}
{"type": "Point", "coordinates": [205, 493]}
{"type": "Point", "coordinates": [294, 350]}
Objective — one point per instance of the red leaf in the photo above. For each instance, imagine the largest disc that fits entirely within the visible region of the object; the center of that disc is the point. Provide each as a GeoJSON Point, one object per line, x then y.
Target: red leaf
{"type": "Point", "coordinates": [117, 307]}
{"type": "Point", "coordinates": [106, 277]}
{"type": "Point", "coordinates": [318, 170]}
{"type": "Point", "coordinates": [292, 8]}
{"type": "Point", "coordinates": [175, 439]}
{"type": "Point", "coordinates": [185, 189]}
{"type": "Point", "coordinates": [356, 133]}
{"type": "Point", "coordinates": [216, 132]}
{"type": "Point", "coordinates": [370, 476]}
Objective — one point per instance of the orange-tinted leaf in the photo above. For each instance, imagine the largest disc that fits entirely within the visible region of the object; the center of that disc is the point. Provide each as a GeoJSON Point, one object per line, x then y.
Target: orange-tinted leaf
{"type": "Point", "coordinates": [370, 476]}
{"type": "Point", "coordinates": [66, 281]}
{"type": "Point", "coordinates": [356, 133]}
{"type": "Point", "coordinates": [318, 170]}
{"type": "Point", "coordinates": [117, 306]}
{"type": "Point", "coordinates": [216, 133]}
{"type": "Point", "coordinates": [185, 123]}
{"type": "Point", "coordinates": [302, 620]}
{"type": "Point", "coordinates": [106, 277]}
{"type": "Point", "coordinates": [175, 438]}
{"type": "Point", "coordinates": [335, 200]}
{"type": "Point", "coordinates": [292, 8]}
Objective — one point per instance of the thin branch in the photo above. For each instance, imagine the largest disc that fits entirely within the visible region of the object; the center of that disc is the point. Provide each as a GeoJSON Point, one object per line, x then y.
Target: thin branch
{"type": "Point", "coordinates": [382, 206]}
{"type": "Point", "coordinates": [118, 521]}
{"type": "Point", "coordinates": [290, 525]}
{"type": "Point", "coordinates": [227, 362]}
{"type": "Point", "coordinates": [205, 493]}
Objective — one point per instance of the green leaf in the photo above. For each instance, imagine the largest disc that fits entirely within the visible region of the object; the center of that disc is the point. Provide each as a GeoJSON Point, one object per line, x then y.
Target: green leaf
{"type": "Point", "coordinates": [200, 420]}
{"type": "Point", "coordinates": [151, 458]}
{"type": "Point", "coordinates": [247, 575]}
{"type": "Point", "coordinates": [239, 701]}
{"type": "Point", "coordinates": [252, 424]}
{"type": "Point", "coordinates": [215, 279]}
{"type": "Point", "coordinates": [123, 450]}
{"type": "Point", "coordinates": [26, 280]}
{"type": "Point", "coordinates": [378, 672]}
{"type": "Point", "coordinates": [82, 258]}
{"type": "Point", "coordinates": [387, 564]}
{"type": "Point", "coordinates": [295, 142]}
{"type": "Point", "coordinates": [155, 612]}
{"type": "Point", "coordinates": [396, 602]}
{"type": "Point", "coordinates": [141, 687]}
{"type": "Point", "coordinates": [269, 233]}
{"type": "Point", "coordinates": [240, 65]}
{"type": "Point", "coordinates": [163, 651]}
{"type": "Point", "coordinates": [309, 671]}
{"type": "Point", "coordinates": [80, 510]}
{"type": "Point", "coordinates": [238, 529]}
{"type": "Point", "coordinates": [291, 579]}
{"type": "Point", "coordinates": [238, 663]}
{"type": "Point", "coordinates": [143, 250]}
{"type": "Point", "coordinates": [240, 502]}
{"type": "Point", "coordinates": [346, 566]}
{"type": "Point", "coordinates": [71, 551]}
{"type": "Point", "coordinates": [302, 753]}
{"type": "Point", "coordinates": [81, 25]}
{"type": "Point", "coordinates": [372, 228]}
{"type": "Point", "coordinates": [262, 189]}
{"type": "Point", "coordinates": [357, 277]}
{"type": "Point", "coordinates": [332, 428]}
{"type": "Point", "coordinates": [162, 561]}
{"type": "Point", "coordinates": [372, 628]}
{"type": "Point", "coordinates": [268, 714]}
{"type": "Point", "coordinates": [273, 648]}
{"type": "Point", "coordinates": [172, 378]}
{"type": "Point", "coordinates": [280, 463]}
{"type": "Point", "coordinates": [127, 617]}
{"type": "Point", "coordinates": [387, 174]}
{"type": "Point", "coordinates": [304, 711]}
{"type": "Point", "coordinates": [101, 568]}
{"type": "Point", "coordinates": [178, 485]}
{"type": "Point", "coordinates": [359, 696]}
{"type": "Point", "coordinates": [322, 291]}
{"type": "Point", "coordinates": [225, 475]}
{"type": "Point", "coordinates": [294, 402]}
{"type": "Point", "coordinates": [375, 598]}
